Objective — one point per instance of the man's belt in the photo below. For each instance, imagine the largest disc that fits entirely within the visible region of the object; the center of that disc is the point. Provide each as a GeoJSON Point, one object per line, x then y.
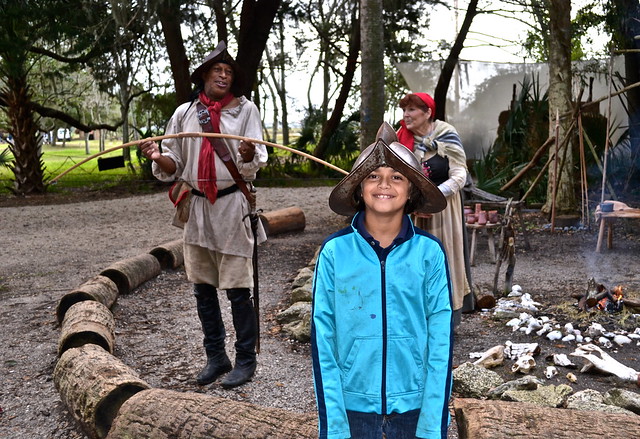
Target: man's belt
{"type": "Point", "coordinates": [221, 193]}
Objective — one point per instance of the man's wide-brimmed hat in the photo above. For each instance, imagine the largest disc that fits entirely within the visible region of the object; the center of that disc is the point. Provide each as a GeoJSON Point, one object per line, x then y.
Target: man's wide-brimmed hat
{"type": "Point", "coordinates": [219, 54]}
{"type": "Point", "coordinates": [386, 151]}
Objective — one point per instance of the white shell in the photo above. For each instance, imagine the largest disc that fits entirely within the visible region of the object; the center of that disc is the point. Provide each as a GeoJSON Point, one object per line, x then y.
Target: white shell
{"type": "Point", "coordinates": [554, 335]}
{"type": "Point", "coordinates": [550, 371]}
{"type": "Point", "coordinates": [621, 340]}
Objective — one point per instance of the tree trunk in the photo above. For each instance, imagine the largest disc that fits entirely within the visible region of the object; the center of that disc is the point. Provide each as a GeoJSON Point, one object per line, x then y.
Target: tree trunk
{"type": "Point", "coordinates": [347, 81]}
{"type": "Point", "coordinates": [561, 168]}
{"type": "Point", "coordinates": [130, 273]}
{"type": "Point", "coordinates": [93, 384]}
{"type": "Point", "coordinates": [167, 414]}
{"type": "Point", "coordinates": [440, 94]}
{"type": "Point", "coordinates": [372, 81]}
{"type": "Point", "coordinates": [27, 165]}
{"type": "Point", "coordinates": [87, 322]}
{"type": "Point", "coordinates": [256, 20]}
{"type": "Point", "coordinates": [100, 288]}
{"type": "Point", "coordinates": [480, 419]}
{"type": "Point", "coordinates": [169, 14]}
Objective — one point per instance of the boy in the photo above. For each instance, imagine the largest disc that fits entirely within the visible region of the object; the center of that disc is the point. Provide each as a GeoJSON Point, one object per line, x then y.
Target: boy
{"type": "Point", "coordinates": [381, 324]}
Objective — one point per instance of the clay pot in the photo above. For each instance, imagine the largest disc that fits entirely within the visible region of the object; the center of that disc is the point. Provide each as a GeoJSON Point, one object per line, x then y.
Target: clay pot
{"type": "Point", "coordinates": [471, 219]}
{"type": "Point", "coordinates": [482, 217]}
{"type": "Point", "coordinates": [478, 208]}
{"type": "Point", "coordinates": [492, 216]}
{"type": "Point", "coordinates": [468, 210]}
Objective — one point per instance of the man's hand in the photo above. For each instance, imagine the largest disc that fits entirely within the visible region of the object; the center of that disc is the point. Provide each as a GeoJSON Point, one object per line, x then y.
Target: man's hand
{"type": "Point", "coordinates": [247, 151]}
{"type": "Point", "coordinates": [150, 150]}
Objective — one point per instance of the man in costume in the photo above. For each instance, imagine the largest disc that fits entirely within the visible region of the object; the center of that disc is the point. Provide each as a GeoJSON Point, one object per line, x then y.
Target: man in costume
{"type": "Point", "coordinates": [218, 236]}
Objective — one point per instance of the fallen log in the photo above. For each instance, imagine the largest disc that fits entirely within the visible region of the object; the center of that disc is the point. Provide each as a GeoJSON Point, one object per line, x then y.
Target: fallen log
{"type": "Point", "coordinates": [290, 219]}
{"type": "Point", "coordinates": [130, 273]}
{"type": "Point", "coordinates": [484, 299]}
{"type": "Point", "coordinates": [170, 255]}
{"type": "Point", "coordinates": [164, 414]}
{"type": "Point", "coordinates": [87, 322]}
{"type": "Point", "coordinates": [93, 384]}
{"type": "Point", "coordinates": [484, 419]}
{"type": "Point", "coordinates": [100, 288]}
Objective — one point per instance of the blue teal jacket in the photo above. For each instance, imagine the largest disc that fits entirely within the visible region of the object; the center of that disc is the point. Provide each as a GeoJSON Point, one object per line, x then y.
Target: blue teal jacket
{"type": "Point", "coordinates": [381, 334]}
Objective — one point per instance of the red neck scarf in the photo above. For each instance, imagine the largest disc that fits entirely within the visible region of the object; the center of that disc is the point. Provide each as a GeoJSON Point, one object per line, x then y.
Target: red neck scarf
{"type": "Point", "coordinates": [405, 136]}
{"type": "Point", "coordinates": [207, 159]}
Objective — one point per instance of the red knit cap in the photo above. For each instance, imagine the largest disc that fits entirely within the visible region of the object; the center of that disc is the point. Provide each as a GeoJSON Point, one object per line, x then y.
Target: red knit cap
{"type": "Point", "coordinates": [428, 101]}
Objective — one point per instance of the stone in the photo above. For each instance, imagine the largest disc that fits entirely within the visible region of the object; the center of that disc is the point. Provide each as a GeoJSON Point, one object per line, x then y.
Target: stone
{"type": "Point", "coordinates": [473, 381]}
{"type": "Point", "coordinates": [623, 398]}
{"type": "Point", "coordinates": [542, 396]}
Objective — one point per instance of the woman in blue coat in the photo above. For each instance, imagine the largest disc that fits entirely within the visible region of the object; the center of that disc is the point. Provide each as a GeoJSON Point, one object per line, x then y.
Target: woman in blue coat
{"type": "Point", "coordinates": [382, 335]}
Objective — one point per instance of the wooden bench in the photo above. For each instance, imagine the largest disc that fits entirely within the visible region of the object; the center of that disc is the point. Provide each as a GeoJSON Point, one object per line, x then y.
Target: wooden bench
{"type": "Point", "coordinates": [620, 210]}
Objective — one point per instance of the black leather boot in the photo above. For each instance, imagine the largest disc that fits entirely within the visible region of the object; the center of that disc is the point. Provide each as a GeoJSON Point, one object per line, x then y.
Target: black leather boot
{"type": "Point", "coordinates": [245, 323]}
{"type": "Point", "coordinates": [213, 328]}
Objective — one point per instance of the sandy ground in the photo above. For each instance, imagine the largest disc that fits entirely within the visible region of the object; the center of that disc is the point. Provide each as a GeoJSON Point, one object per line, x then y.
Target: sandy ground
{"type": "Point", "coordinates": [47, 250]}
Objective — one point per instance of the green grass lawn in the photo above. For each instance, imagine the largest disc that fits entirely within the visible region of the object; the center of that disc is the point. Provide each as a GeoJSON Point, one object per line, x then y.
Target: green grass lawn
{"type": "Point", "coordinates": [57, 159]}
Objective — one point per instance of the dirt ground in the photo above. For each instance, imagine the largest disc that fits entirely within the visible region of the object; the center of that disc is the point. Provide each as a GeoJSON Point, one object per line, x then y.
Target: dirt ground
{"type": "Point", "coordinates": [52, 245]}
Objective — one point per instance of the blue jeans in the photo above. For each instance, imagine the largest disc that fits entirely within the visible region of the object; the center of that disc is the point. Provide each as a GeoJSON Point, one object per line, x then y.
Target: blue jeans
{"type": "Point", "coordinates": [375, 426]}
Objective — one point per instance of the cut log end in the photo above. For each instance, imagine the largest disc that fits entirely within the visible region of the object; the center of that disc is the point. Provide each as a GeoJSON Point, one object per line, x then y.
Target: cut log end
{"type": "Point", "coordinates": [290, 219]}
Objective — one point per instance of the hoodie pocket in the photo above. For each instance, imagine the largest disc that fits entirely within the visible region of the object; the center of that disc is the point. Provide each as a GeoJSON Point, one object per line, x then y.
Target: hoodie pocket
{"type": "Point", "coordinates": [362, 369]}
{"type": "Point", "coordinates": [405, 368]}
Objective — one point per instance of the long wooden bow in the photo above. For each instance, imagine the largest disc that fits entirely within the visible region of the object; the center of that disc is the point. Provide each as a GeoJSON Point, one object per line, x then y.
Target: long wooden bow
{"type": "Point", "coordinates": [181, 135]}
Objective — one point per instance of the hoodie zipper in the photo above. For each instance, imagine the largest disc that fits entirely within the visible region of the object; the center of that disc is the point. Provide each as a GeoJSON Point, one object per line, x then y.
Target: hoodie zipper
{"type": "Point", "coordinates": [383, 390]}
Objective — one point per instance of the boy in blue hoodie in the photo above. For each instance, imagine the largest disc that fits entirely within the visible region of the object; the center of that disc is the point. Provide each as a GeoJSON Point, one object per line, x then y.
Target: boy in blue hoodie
{"type": "Point", "coordinates": [381, 335]}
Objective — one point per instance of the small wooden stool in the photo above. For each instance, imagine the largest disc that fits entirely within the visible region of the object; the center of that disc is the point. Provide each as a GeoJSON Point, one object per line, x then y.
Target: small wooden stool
{"type": "Point", "coordinates": [490, 229]}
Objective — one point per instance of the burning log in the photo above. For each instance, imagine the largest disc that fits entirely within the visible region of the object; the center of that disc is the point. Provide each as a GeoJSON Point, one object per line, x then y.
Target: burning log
{"type": "Point", "coordinates": [164, 414]}
{"type": "Point", "coordinates": [599, 297]}
{"type": "Point", "coordinates": [485, 419]}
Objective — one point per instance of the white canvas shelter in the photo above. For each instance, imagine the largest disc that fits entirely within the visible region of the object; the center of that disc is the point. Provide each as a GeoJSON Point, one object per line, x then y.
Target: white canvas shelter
{"type": "Point", "coordinates": [480, 90]}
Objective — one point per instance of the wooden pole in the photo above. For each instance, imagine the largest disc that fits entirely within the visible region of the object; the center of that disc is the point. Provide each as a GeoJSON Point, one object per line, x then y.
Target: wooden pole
{"type": "Point", "coordinates": [555, 173]}
{"type": "Point", "coordinates": [583, 174]}
{"type": "Point", "coordinates": [183, 135]}
{"type": "Point", "coordinates": [529, 165]}
{"type": "Point", "coordinates": [606, 140]}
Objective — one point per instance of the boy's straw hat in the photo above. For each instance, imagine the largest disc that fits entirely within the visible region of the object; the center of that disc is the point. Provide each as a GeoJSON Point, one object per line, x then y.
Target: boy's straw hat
{"type": "Point", "coordinates": [386, 151]}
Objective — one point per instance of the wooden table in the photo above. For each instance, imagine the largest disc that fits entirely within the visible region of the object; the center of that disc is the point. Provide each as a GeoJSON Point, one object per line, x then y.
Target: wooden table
{"type": "Point", "coordinates": [489, 228]}
{"type": "Point", "coordinates": [620, 210]}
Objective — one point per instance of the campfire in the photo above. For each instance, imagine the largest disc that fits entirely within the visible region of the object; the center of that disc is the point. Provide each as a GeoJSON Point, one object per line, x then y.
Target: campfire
{"type": "Point", "coordinates": [600, 298]}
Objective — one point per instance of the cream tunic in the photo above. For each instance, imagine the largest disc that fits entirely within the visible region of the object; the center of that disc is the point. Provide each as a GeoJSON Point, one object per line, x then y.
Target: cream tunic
{"type": "Point", "coordinates": [447, 225]}
{"type": "Point", "coordinates": [223, 226]}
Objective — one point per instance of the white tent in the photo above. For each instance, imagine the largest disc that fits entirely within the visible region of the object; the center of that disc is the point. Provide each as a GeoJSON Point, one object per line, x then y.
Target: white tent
{"type": "Point", "coordinates": [479, 91]}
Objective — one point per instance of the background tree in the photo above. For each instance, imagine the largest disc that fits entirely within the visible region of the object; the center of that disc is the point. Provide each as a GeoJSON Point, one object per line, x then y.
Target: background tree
{"type": "Point", "coordinates": [31, 28]}
{"type": "Point", "coordinates": [372, 70]}
{"type": "Point", "coordinates": [561, 172]}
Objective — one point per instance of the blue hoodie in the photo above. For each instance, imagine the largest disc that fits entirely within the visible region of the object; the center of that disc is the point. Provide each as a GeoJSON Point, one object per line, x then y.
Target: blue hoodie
{"type": "Point", "coordinates": [381, 334]}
